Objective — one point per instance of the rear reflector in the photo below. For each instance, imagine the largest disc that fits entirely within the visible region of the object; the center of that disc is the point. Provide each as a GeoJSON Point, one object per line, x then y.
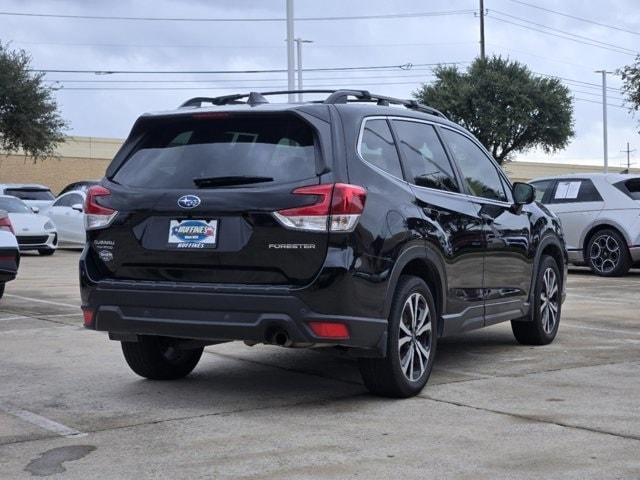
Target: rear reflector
{"type": "Point", "coordinates": [337, 208]}
{"type": "Point", "coordinates": [95, 215]}
{"type": "Point", "coordinates": [333, 330]}
{"type": "Point", "coordinates": [87, 314]}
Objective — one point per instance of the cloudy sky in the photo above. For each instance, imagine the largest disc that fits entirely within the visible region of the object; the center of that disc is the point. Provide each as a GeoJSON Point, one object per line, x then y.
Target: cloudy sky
{"type": "Point", "coordinates": [106, 105]}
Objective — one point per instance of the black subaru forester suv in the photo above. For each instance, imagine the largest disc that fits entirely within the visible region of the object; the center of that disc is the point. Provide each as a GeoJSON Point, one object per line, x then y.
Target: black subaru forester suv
{"type": "Point", "coordinates": [364, 223]}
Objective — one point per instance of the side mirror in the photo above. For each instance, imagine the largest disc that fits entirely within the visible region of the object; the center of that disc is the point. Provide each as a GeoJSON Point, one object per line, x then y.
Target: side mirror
{"type": "Point", "coordinates": [35, 209]}
{"type": "Point", "coordinates": [77, 207]}
{"type": "Point", "coordinates": [523, 193]}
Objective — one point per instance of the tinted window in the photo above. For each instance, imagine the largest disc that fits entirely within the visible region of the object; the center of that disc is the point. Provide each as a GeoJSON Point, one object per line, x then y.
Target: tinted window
{"type": "Point", "coordinates": [541, 188]}
{"type": "Point", "coordinates": [427, 164]}
{"type": "Point", "coordinates": [480, 175]}
{"type": "Point", "coordinates": [377, 147]}
{"type": "Point", "coordinates": [69, 200]}
{"type": "Point", "coordinates": [574, 191]}
{"type": "Point", "coordinates": [13, 205]}
{"type": "Point", "coordinates": [174, 154]}
{"type": "Point", "coordinates": [630, 187]}
{"type": "Point", "coordinates": [30, 193]}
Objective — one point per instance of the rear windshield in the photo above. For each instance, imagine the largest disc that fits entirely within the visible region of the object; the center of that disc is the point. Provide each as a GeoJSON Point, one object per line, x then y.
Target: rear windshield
{"type": "Point", "coordinates": [274, 148]}
{"type": "Point", "coordinates": [630, 187]}
{"type": "Point", "coordinates": [30, 193]}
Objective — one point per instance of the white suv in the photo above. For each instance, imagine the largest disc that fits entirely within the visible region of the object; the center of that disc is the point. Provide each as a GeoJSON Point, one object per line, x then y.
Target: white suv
{"type": "Point", "coordinates": [600, 215]}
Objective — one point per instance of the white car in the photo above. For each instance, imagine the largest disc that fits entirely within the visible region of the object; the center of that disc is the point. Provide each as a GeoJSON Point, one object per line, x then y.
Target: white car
{"type": "Point", "coordinates": [34, 195]}
{"type": "Point", "coordinates": [33, 231]}
{"type": "Point", "coordinates": [600, 215]}
{"type": "Point", "coordinates": [66, 213]}
{"type": "Point", "coordinates": [9, 253]}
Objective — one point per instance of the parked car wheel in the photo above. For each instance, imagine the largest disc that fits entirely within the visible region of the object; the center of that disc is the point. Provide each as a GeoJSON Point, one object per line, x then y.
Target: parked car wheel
{"type": "Point", "coordinates": [411, 343]}
{"type": "Point", "coordinates": [547, 306]}
{"type": "Point", "coordinates": [607, 254]}
{"type": "Point", "coordinates": [46, 251]}
{"type": "Point", "coordinates": [158, 358]}
{"type": "Point", "coordinates": [1, 289]}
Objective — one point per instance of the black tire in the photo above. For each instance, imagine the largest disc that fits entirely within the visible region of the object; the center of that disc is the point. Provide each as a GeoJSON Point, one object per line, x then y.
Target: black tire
{"type": "Point", "coordinates": [385, 376]}
{"type": "Point", "coordinates": [607, 254]}
{"type": "Point", "coordinates": [1, 289]}
{"type": "Point", "coordinates": [538, 330]}
{"type": "Point", "coordinates": [157, 358]}
{"type": "Point", "coordinates": [47, 251]}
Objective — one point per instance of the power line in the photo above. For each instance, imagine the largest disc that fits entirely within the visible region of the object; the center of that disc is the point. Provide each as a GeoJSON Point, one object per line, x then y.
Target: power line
{"type": "Point", "coordinates": [256, 46]}
{"type": "Point", "coordinates": [244, 19]}
{"type": "Point", "coordinates": [235, 80]}
{"type": "Point", "coordinates": [564, 32]}
{"type": "Point", "coordinates": [244, 87]}
{"type": "Point", "coordinates": [574, 17]}
{"type": "Point", "coordinates": [620, 50]}
{"type": "Point", "coordinates": [406, 66]}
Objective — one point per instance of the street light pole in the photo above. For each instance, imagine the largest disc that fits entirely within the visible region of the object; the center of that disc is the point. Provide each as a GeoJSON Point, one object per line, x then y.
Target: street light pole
{"type": "Point", "coordinates": [299, 42]}
{"type": "Point", "coordinates": [290, 53]}
{"type": "Point", "coordinates": [604, 119]}
{"type": "Point", "coordinates": [482, 29]}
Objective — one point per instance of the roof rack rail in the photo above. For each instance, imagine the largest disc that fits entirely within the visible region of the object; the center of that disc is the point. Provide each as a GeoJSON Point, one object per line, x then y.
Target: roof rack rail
{"type": "Point", "coordinates": [342, 96]}
{"type": "Point", "coordinates": [335, 97]}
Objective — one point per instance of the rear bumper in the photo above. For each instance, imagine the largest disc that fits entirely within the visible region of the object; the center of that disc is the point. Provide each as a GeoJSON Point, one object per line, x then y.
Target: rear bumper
{"type": "Point", "coordinates": [195, 312]}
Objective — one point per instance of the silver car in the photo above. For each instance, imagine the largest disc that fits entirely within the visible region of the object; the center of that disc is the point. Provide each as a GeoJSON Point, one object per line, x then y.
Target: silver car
{"type": "Point", "coordinates": [38, 197]}
{"type": "Point", "coordinates": [600, 215]}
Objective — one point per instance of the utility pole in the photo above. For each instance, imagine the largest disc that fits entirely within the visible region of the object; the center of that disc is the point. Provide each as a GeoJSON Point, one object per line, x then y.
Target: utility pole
{"type": "Point", "coordinates": [604, 119]}
{"type": "Point", "coordinates": [299, 42]}
{"type": "Point", "coordinates": [290, 53]}
{"type": "Point", "coordinates": [628, 151]}
{"type": "Point", "coordinates": [482, 29]}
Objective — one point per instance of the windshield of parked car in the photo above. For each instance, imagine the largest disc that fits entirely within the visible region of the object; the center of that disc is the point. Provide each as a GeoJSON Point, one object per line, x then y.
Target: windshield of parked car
{"type": "Point", "coordinates": [13, 205]}
{"type": "Point", "coordinates": [30, 193]}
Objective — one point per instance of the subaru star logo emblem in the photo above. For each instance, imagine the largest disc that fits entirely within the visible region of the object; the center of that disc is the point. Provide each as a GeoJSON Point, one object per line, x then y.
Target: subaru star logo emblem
{"type": "Point", "coordinates": [188, 201]}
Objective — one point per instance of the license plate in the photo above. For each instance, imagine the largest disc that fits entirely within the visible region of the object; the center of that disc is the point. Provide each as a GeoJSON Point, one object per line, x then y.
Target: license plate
{"type": "Point", "coordinates": [193, 233]}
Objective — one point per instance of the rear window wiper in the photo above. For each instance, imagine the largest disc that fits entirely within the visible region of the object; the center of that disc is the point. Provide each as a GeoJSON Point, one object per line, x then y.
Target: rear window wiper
{"type": "Point", "coordinates": [212, 182]}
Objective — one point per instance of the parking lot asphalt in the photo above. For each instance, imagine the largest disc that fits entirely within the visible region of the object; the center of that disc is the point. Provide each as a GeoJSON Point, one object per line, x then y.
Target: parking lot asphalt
{"type": "Point", "coordinates": [71, 408]}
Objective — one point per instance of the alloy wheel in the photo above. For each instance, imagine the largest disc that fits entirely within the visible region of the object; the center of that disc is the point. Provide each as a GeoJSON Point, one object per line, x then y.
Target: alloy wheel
{"type": "Point", "coordinates": [414, 339]}
{"type": "Point", "coordinates": [549, 300]}
{"type": "Point", "coordinates": [604, 254]}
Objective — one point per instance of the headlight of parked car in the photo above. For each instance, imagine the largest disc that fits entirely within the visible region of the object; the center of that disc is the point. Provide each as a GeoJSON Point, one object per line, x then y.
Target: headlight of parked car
{"type": "Point", "coordinates": [49, 225]}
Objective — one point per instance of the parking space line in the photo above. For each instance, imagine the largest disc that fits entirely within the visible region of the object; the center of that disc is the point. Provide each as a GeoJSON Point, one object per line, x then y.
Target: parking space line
{"type": "Point", "coordinates": [37, 316]}
{"type": "Point", "coordinates": [40, 421]}
{"type": "Point", "coordinates": [42, 301]}
{"type": "Point", "coordinates": [598, 329]}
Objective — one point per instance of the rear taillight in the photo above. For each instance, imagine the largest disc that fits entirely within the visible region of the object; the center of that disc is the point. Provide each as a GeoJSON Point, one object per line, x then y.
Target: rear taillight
{"type": "Point", "coordinates": [95, 215]}
{"type": "Point", "coordinates": [5, 224]}
{"type": "Point", "coordinates": [337, 208]}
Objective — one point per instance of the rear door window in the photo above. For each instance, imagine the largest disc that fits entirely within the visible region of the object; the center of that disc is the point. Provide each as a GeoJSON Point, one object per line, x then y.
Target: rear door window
{"type": "Point", "coordinates": [425, 160]}
{"type": "Point", "coordinates": [176, 153]}
{"type": "Point", "coordinates": [575, 191]}
{"type": "Point", "coordinates": [378, 148]}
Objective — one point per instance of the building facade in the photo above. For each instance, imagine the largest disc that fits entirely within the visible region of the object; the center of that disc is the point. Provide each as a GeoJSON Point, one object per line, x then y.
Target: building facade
{"type": "Point", "coordinates": [86, 158]}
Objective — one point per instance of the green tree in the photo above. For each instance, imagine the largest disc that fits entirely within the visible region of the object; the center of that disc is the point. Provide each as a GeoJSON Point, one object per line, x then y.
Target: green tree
{"type": "Point", "coordinates": [506, 106]}
{"type": "Point", "coordinates": [631, 84]}
{"type": "Point", "coordinates": [29, 118]}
